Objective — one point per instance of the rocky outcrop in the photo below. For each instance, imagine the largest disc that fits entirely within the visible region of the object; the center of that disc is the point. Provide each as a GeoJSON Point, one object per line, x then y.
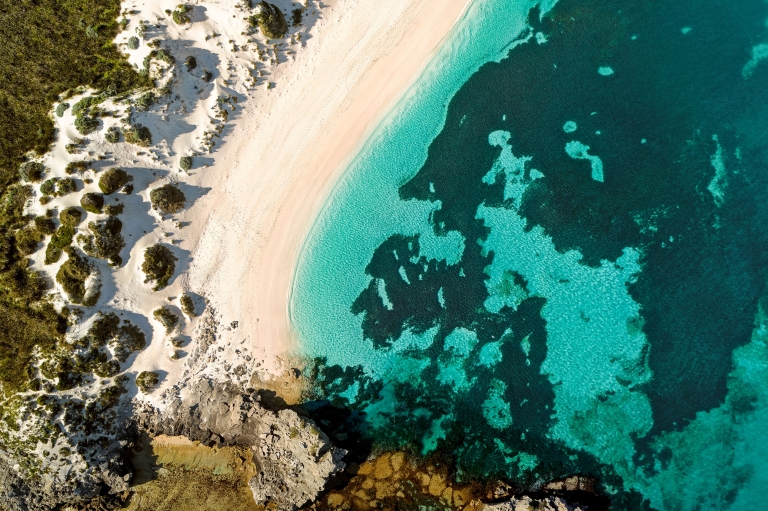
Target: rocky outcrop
{"type": "Point", "coordinates": [294, 458]}
{"type": "Point", "coordinates": [47, 491]}
{"type": "Point", "coordinates": [526, 503]}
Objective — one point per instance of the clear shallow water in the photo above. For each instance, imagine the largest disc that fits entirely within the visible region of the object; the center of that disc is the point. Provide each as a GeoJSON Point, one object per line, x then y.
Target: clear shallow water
{"type": "Point", "coordinates": [551, 258]}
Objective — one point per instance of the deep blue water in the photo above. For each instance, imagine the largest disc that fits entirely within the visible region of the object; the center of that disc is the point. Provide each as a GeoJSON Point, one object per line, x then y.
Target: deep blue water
{"type": "Point", "coordinates": [551, 258]}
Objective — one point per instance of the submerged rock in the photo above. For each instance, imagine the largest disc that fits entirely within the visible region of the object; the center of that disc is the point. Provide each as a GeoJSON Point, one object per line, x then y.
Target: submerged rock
{"type": "Point", "coordinates": [293, 457]}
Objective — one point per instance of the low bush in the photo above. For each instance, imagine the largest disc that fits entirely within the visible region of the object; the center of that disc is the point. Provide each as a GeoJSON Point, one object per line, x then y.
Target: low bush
{"type": "Point", "coordinates": [48, 187]}
{"type": "Point", "coordinates": [65, 186]}
{"type": "Point", "coordinates": [83, 106]}
{"type": "Point", "coordinates": [187, 305]}
{"type": "Point", "coordinates": [167, 199]}
{"type": "Point", "coordinates": [272, 21]}
{"type": "Point", "coordinates": [145, 101]}
{"type": "Point", "coordinates": [112, 180]}
{"type": "Point", "coordinates": [113, 209]}
{"type": "Point", "coordinates": [133, 43]}
{"type": "Point", "coordinates": [138, 135]}
{"type": "Point", "coordinates": [112, 135]}
{"type": "Point", "coordinates": [45, 225]}
{"type": "Point", "coordinates": [70, 216]}
{"type": "Point", "coordinates": [61, 108]}
{"type": "Point", "coordinates": [159, 265]}
{"type": "Point", "coordinates": [60, 240]}
{"type": "Point", "coordinates": [72, 276]}
{"type": "Point", "coordinates": [77, 166]}
{"type": "Point", "coordinates": [206, 76]}
{"type": "Point", "coordinates": [27, 240]}
{"type": "Point", "coordinates": [296, 15]}
{"type": "Point", "coordinates": [147, 380]}
{"type": "Point", "coordinates": [92, 202]}
{"type": "Point", "coordinates": [168, 319]}
{"type": "Point", "coordinates": [130, 338]}
{"type": "Point", "coordinates": [45, 199]}
{"type": "Point", "coordinates": [103, 329]}
{"type": "Point", "coordinates": [86, 124]}
{"type": "Point", "coordinates": [181, 14]}
{"type": "Point", "coordinates": [191, 63]}
{"type": "Point", "coordinates": [185, 163]}
{"type": "Point", "coordinates": [105, 241]}
{"type": "Point", "coordinates": [31, 171]}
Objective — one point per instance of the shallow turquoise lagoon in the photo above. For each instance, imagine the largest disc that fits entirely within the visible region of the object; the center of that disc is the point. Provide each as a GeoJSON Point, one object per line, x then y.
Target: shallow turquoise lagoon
{"type": "Point", "coordinates": [551, 257]}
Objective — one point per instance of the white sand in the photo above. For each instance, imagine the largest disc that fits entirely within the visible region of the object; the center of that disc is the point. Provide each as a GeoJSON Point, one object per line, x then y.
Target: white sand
{"type": "Point", "coordinates": [253, 198]}
{"type": "Point", "coordinates": [274, 172]}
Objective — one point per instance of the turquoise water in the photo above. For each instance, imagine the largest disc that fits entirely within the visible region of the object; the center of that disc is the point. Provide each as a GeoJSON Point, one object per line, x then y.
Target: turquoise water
{"type": "Point", "coordinates": [551, 257]}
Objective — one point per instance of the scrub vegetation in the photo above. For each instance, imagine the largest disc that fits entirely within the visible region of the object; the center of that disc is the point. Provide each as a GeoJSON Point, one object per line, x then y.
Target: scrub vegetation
{"type": "Point", "coordinates": [49, 48]}
{"type": "Point", "coordinates": [159, 265]}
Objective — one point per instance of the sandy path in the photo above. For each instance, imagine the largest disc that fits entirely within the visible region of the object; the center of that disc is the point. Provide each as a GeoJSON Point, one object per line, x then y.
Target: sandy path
{"type": "Point", "coordinates": [288, 148]}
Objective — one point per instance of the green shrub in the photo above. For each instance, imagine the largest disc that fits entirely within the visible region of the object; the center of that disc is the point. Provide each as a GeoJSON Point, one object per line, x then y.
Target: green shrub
{"type": "Point", "coordinates": [185, 163]}
{"type": "Point", "coordinates": [180, 15]}
{"type": "Point", "coordinates": [191, 63]}
{"type": "Point", "coordinates": [72, 276]}
{"type": "Point", "coordinates": [105, 241]}
{"type": "Point", "coordinates": [86, 124]}
{"type": "Point", "coordinates": [206, 76]}
{"type": "Point", "coordinates": [145, 101]}
{"type": "Point", "coordinates": [92, 202]}
{"type": "Point", "coordinates": [65, 186]}
{"type": "Point", "coordinates": [112, 135]}
{"type": "Point", "coordinates": [146, 381]}
{"type": "Point", "coordinates": [110, 396]}
{"type": "Point", "coordinates": [83, 106]}
{"type": "Point", "coordinates": [133, 43]}
{"type": "Point", "coordinates": [103, 329]}
{"type": "Point", "coordinates": [296, 15]}
{"type": "Point", "coordinates": [129, 338]}
{"type": "Point", "coordinates": [31, 171]}
{"type": "Point", "coordinates": [168, 319]}
{"type": "Point", "coordinates": [61, 108]}
{"type": "Point", "coordinates": [138, 135]}
{"type": "Point", "coordinates": [113, 209]}
{"type": "Point", "coordinates": [159, 265]}
{"type": "Point", "coordinates": [77, 166]}
{"type": "Point", "coordinates": [48, 187]}
{"type": "Point", "coordinates": [70, 216]}
{"type": "Point", "coordinates": [45, 199]}
{"type": "Point", "coordinates": [45, 225]}
{"type": "Point", "coordinates": [112, 180]}
{"type": "Point", "coordinates": [27, 240]}
{"type": "Point", "coordinates": [61, 239]}
{"type": "Point", "coordinates": [167, 199]}
{"type": "Point", "coordinates": [187, 305]}
{"type": "Point", "coordinates": [107, 369]}
{"type": "Point", "coordinates": [272, 21]}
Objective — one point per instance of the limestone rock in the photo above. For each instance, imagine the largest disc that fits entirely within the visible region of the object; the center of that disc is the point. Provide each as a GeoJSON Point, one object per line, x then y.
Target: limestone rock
{"type": "Point", "coordinates": [294, 458]}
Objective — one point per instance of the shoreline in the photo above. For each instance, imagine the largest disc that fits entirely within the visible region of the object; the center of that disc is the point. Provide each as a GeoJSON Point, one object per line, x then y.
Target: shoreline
{"type": "Point", "coordinates": [246, 253]}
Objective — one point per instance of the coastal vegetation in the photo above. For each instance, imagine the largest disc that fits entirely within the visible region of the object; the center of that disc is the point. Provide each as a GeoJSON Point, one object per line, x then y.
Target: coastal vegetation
{"type": "Point", "coordinates": [72, 276]}
{"type": "Point", "coordinates": [187, 305]}
{"type": "Point", "coordinates": [167, 199]}
{"type": "Point", "coordinates": [138, 134]}
{"type": "Point", "coordinates": [147, 380]}
{"type": "Point", "coordinates": [270, 20]}
{"type": "Point", "coordinates": [159, 265]}
{"type": "Point", "coordinates": [105, 240]}
{"type": "Point", "coordinates": [185, 162]}
{"type": "Point", "coordinates": [168, 319]}
{"type": "Point", "coordinates": [92, 202]}
{"type": "Point", "coordinates": [180, 15]}
{"type": "Point", "coordinates": [112, 180]}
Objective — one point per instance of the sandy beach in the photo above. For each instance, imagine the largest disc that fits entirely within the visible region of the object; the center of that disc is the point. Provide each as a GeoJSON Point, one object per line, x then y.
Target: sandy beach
{"type": "Point", "coordinates": [287, 150]}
